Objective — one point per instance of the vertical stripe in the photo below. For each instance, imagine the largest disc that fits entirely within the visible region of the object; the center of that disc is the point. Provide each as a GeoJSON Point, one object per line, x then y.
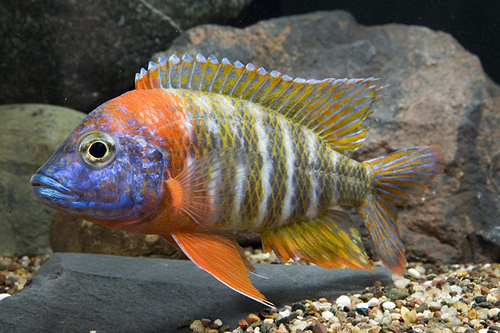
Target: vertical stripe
{"type": "Point", "coordinates": [265, 174]}
{"type": "Point", "coordinates": [288, 205]}
{"type": "Point", "coordinates": [313, 209]}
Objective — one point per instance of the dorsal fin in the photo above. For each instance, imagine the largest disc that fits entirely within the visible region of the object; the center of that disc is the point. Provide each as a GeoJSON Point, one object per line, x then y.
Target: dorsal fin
{"type": "Point", "coordinates": [333, 108]}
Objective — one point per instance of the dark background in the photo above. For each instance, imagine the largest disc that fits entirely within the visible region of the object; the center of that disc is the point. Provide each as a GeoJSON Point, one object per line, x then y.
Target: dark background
{"type": "Point", "coordinates": [474, 23]}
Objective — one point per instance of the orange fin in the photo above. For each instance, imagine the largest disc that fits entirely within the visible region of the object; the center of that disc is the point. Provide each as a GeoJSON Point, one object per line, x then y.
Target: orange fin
{"type": "Point", "coordinates": [333, 108]}
{"type": "Point", "coordinates": [220, 256]}
{"type": "Point", "coordinates": [397, 177]}
{"type": "Point", "coordinates": [200, 189]}
{"type": "Point", "coordinates": [330, 241]}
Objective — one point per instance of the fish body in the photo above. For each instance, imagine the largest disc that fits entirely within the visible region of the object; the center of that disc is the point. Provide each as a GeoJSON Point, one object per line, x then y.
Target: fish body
{"type": "Point", "coordinates": [202, 147]}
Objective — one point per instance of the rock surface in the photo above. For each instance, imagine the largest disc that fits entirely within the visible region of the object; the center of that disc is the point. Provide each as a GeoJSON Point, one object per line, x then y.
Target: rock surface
{"type": "Point", "coordinates": [80, 54]}
{"type": "Point", "coordinates": [72, 234]}
{"type": "Point", "coordinates": [82, 292]}
{"type": "Point", "coordinates": [29, 134]}
{"type": "Point", "coordinates": [437, 95]}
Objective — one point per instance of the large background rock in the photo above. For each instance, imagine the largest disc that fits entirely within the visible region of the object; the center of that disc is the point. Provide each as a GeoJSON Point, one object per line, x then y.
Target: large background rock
{"type": "Point", "coordinates": [438, 95]}
{"type": "Point", "coordinates": [80, 53]}
{"type": "Point", "coordinates": [29, 134]}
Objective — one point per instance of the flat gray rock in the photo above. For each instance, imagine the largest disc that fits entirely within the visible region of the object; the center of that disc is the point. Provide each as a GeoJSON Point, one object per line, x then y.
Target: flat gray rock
{"type": "Point", "coordinates": [83, 292]}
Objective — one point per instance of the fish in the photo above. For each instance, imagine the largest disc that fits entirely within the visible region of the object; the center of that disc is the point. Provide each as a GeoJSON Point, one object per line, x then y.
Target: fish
{"type": "Point", "coordinates": [200, 148]}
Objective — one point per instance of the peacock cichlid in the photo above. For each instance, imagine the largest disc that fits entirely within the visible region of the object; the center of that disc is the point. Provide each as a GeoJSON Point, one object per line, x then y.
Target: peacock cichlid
{"type": "Point", "coordinates": [200, 148]}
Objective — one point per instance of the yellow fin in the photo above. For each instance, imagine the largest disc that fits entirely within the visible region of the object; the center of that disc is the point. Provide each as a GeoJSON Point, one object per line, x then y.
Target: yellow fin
{"type": "Point", "coordinates": [221, 257]}
{"type": "Point", "coordinates": [397, 177]}
{"type": "Point", "coordinates": [330, 241]}
{"type": "Point", "coordinates": [333, 108]}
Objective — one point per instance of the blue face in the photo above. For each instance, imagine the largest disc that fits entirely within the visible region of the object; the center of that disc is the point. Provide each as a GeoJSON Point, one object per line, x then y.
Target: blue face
{"type": "Point", "coordinates": [102, 175]}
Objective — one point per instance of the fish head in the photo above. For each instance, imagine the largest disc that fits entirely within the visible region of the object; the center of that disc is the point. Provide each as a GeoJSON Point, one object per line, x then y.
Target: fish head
{"type": "Point", "coordinates": [106, 170]}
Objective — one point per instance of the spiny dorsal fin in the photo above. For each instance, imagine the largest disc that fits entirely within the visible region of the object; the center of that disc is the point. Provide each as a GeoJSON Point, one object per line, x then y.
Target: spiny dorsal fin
{"type": "Point", "coordinates": [333, 108]}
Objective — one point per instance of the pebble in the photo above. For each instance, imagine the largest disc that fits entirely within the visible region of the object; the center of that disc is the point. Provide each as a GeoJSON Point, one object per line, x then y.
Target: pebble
{"type": "Point", "coordinates": [402, 283]}
{"type": "Point", "coordinates": [343, 301]}
{"type": "Point", "coordinates": [2, 296]}
{"type": "Point", "coordinates": [389, 305]}
{"type": "Point", "coordinates": [327, 315]}
{"type": "Point", "coordinates": [414, 273]}
{"type": "Point", "coordinates": [252, 318]}
{"type": "Point", "coordinates": [493, 312]}
{"type": "Point", "coordinates": [373, 302]}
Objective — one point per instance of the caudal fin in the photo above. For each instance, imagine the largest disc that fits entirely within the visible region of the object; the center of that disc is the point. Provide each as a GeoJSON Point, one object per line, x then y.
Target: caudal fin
{"type": "Point", "coordinates": [397, 178]}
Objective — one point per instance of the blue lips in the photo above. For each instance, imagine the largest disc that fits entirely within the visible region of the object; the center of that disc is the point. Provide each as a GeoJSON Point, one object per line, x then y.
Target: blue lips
{"type": "Point", "coordinates": [48, 188]}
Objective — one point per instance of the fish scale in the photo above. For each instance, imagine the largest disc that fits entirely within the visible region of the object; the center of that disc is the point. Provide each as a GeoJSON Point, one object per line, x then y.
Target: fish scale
{"type": "Point", "coordinates": [201, 147]}
{"type": "Point", "coordinates": [339, 179]}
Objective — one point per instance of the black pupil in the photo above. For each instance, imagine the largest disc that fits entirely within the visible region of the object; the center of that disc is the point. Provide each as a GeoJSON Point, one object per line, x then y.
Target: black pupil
{"type": "Point", "coordinates": [98, 149]}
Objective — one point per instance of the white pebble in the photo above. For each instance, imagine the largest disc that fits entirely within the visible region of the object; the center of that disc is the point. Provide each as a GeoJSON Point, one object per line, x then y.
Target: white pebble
{"type": "Point", "coordinates": [456, 289]}
{"type": "Point", "coordinates": [483, 330]}
{"type": "Point", "coordinates": [285, 313]}
{"type": "Point", "coordinates": [327, 314]}
{"type": "Point", "coordinates": [343, 301]}
{"type": "Point", "coordinates": [420, 269]}
{"type": "Point", "coordinates": [362, 305]}
{"type": "Point", "coordinates": [2, 296]}
{"type": "Point", "coordinates": [493, 312]}
{"type": "Point", "coordinates": [218, 322]}
{"type": "Point", "coordinates": [268, 321]}
{"type": "Point", "coordinates": [401, 283]}
{"type": "Point", "coordinates": [388, 305]}
{"type": "Point", "coordinates": [302, 325]}
{"type": "Point", "coordinates": [372, 302]}
{"type": "Point", "coordinates": [414, 273]}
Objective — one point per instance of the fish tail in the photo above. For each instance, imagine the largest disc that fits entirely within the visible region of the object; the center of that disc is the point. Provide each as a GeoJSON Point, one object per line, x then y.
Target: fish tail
{"type": "Point", "coordinates": [397, 177]}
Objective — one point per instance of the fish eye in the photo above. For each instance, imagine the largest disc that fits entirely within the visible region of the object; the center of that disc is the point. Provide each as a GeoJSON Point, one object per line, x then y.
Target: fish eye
{"type": "Point", "coordinates": [97, 149]}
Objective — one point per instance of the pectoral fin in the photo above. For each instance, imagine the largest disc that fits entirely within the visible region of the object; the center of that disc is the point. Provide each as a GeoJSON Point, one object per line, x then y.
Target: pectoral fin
{"type": "Point", "coordinates": [201, 190]}
{"type": "Point", "coordinates": [219, 256]}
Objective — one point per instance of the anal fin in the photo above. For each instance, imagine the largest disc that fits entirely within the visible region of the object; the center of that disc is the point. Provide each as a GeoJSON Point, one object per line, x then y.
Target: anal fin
{"type": "Point", "coordinates": [220, 256]}
{"type": "Point", "coordinates": [330, 241]}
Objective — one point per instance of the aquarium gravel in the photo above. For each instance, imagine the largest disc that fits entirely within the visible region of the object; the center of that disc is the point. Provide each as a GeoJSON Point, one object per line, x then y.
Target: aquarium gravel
{"type": "Point", "coordinates": [427, 298]}
{"type": "Point", "coordinates": [462, 298]}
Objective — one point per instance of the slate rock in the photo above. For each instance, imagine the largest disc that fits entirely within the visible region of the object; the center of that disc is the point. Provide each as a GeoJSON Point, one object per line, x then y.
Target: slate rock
{"type": "Point", "coordinates": [72, 234]}
{"type": "Point", "coordinates": [29, 134]}
{"type": "Point", "coordinates": [81, 53]}
{"type": "Point", "coordinates": [83, 292]}
{"type": "Point", "coordinates": [437, 95]}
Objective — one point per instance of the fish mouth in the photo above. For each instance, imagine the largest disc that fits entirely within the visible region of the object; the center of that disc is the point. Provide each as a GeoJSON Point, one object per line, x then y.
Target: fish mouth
{"type": "Point", "coordinates": [47, 187]}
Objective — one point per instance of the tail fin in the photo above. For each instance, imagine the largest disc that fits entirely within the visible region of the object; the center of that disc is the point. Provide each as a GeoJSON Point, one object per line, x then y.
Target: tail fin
{"type": "Point", "coordinates": [397, 177]}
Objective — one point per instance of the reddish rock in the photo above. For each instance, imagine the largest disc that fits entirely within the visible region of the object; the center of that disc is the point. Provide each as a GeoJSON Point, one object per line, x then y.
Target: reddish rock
{"type": "Point", "coordinates": [72, 234]}
{"type": "Point", "coordinates": [319, 328]}
{"type": "Point", "coordinates": [437, 95]}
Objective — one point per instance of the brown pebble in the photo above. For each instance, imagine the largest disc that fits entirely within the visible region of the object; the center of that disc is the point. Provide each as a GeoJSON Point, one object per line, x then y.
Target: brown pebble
{"type": "Point", "coordinates": [394, 329]}
{"type": "Point", "coordinates": [374, 329]}
{"type": "Point", "coordinates": [252, 318]}
{"type": "Point", "coordinates": [206, 322]}
{"type": "Point", "coordinates": [322, 300]}
{"type": "Point", "coordinates": [319, 328]}
{"type": "Point", "coordinates": [494, 328]}
{"type": "Point", "coordinates": [11, 267]}
{"type": "Point", "coordinates": [484, 291]}
{"type": "Point", "coordinates": [243, 324]}
{"type": "Point", "coordinates": [378, 294]}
